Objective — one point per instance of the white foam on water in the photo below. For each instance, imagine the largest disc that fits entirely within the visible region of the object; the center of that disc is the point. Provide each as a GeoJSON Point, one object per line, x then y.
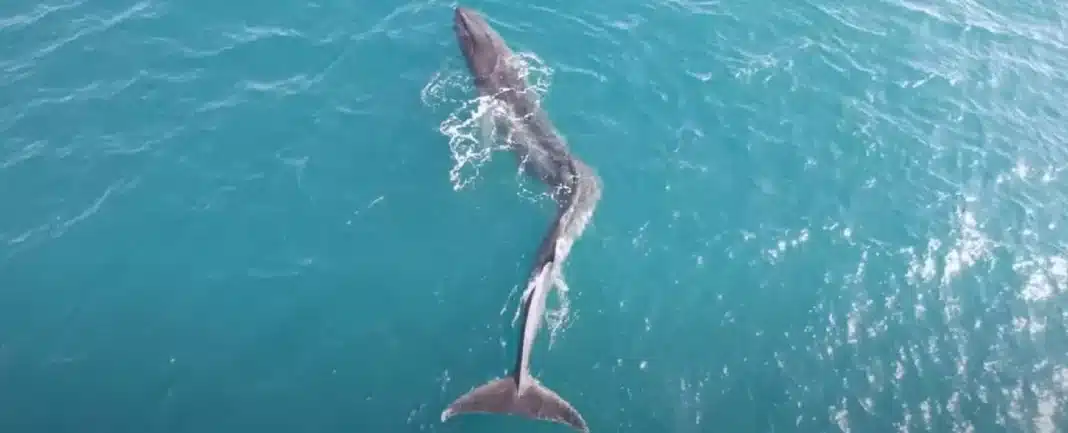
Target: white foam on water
{"type": "Point", "coordinates": [465, 126]}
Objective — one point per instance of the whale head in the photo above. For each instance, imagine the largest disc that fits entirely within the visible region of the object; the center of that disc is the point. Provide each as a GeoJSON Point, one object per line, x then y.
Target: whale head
{"type": "Point", "coordinates": [485, 51]}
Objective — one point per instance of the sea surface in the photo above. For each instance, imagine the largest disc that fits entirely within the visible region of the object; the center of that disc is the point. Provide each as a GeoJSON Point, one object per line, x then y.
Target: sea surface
{"type": "Point", "coordinates": [818, 216]}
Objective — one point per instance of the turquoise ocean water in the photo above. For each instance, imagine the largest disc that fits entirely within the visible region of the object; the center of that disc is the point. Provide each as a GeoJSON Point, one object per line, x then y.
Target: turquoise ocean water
{"type": "Point", "coordinates": [818, 216]}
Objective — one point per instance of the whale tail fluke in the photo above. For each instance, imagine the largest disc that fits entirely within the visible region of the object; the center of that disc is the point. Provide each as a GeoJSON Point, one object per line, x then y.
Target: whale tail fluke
{"type": "Point", "coordinates": [534, 401]}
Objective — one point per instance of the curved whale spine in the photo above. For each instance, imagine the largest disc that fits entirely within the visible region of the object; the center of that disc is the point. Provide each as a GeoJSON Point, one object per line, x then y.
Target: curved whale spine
{"type": "Point", "coordinates": [576, 189]}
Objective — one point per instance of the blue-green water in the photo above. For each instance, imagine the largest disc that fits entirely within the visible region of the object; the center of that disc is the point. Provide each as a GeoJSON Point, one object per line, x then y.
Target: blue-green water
{"type": "Point", "coordinates": [818, 216]}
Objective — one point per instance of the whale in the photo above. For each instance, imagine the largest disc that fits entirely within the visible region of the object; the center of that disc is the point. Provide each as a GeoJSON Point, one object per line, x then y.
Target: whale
{"type": "Point", "coordinates": [574, 187]}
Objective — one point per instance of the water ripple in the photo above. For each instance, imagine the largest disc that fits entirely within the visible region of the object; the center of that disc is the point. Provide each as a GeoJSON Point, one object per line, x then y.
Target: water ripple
{"type": "Point", "coordinates": [89, 25]}
{"type": "Point", "coordinates": [62, 223]}
{"type": "Point", "coordinates": [40, 11]}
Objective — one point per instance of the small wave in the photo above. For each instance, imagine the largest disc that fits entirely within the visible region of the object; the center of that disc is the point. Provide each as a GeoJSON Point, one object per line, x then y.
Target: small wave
{"type": "Point", "coordinates": [62, 224]}
{"type": "Point", "coordinates": [970, 13]}
{"type": "Point", "coordinates": [696, 7]}
{"type": "Point", "coordinates": [94, 24]}
{"type": "Point", "coordinates": [254, 33]}
{"type": "Point", "coordinates": [230, 39]}
{"type": "Point", "coordinates": [857, 18]}
{"type": "Point", "coordinates": [39, 12]}
{"type": "Point", "coordinates": [293, 85]}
